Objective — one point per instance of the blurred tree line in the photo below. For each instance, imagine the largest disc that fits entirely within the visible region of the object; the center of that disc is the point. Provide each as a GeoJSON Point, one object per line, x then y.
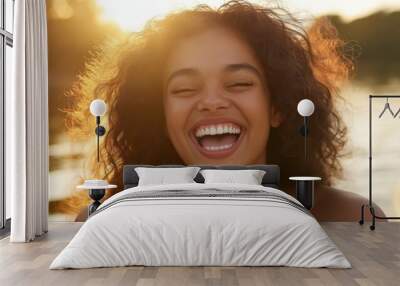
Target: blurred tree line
{"type": "Point", "coordinates": [377, 37]}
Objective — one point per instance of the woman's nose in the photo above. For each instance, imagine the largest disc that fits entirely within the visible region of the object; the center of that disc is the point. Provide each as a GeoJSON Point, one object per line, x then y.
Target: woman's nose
{"type": "Point", "coordinates": [213, 100]}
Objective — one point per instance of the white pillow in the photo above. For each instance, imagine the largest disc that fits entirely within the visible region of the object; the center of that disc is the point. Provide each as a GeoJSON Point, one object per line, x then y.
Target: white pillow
{"type": "Point", "coordinates": [248, 177]}
{"type": "Point", "coordinates": [162, 176]}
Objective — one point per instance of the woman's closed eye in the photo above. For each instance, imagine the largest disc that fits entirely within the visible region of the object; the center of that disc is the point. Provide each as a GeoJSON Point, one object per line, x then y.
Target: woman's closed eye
{"type": "Point", "coordinates": [240, 85]}
{"type": "Point", "coordinates": [183, 90]}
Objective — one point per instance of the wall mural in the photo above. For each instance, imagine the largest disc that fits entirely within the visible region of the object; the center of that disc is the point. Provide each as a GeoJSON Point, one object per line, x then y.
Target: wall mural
{"type": "Point", "coordinates": [220, 84]}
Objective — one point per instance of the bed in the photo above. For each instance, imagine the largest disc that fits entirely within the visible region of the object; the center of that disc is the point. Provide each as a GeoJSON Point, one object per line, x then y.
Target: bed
{"type": "Point", "coordinates": [201, 224]}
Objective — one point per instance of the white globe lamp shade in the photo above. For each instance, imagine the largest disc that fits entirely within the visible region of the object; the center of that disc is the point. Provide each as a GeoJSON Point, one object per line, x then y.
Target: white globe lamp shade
{"type": "Point", "coordinates": [305, 107]}
{"type": "Point", "coordinates": [98, 107]}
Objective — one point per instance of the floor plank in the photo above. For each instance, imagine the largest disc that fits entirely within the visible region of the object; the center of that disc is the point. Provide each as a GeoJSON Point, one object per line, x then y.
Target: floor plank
{"type": "Point", "coordinates": [374, 255]}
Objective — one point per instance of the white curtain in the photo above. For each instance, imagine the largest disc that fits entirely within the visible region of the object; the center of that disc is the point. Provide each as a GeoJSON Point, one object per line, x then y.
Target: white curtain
{"type": "Point", "coordinates": [27, 123]}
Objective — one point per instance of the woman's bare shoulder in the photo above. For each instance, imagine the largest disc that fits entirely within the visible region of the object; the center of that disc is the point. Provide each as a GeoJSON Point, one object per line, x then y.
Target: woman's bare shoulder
{"type": "Point", "coordinates": [338, 205]}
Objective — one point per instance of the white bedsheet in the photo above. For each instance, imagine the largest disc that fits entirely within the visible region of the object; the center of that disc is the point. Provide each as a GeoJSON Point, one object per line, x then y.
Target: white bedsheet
{"type": "Point", "coordinates": [200, 231]}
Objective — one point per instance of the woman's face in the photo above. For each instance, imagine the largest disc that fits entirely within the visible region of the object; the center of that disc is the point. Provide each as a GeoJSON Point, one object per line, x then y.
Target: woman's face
{"type": "Point", "coordinates": [216, 103]}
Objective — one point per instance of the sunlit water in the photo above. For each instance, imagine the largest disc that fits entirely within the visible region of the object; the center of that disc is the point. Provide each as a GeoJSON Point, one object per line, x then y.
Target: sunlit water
{"type": "Point", "coordinates": [386, 151]}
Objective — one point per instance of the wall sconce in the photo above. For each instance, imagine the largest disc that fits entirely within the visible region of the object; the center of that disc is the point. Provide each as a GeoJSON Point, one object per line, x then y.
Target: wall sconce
{"type": "Point", "coordinates": [305, 108]}
{"type": "Point", "coordinates": [98, 108]}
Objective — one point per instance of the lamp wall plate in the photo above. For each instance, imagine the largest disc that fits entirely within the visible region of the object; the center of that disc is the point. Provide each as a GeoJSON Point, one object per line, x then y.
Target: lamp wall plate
{"type": "Point", "coordinates": [100, 130]}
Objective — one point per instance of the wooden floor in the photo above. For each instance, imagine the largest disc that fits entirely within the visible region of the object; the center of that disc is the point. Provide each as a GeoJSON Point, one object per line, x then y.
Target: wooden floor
{"type": "Point", "coordinates": [375, 257]}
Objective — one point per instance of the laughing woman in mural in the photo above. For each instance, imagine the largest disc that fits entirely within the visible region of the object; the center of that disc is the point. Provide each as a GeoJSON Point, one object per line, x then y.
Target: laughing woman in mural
{"type": "Point", "coordinates": [221, 86]}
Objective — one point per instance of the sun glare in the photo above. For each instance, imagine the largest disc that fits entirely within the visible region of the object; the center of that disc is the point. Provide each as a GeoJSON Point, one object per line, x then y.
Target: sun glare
{"type": "Point", "coordinates": [132, 15]}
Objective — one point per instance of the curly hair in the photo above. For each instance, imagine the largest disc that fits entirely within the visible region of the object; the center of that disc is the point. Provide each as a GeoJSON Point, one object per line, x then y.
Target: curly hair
{"type": "Point", "coordinates": [297, 64]}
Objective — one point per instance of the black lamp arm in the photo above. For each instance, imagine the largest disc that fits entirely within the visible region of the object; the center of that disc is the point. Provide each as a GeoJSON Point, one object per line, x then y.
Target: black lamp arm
{"type": "Point", "coordinates": [99, 131]}
{"type": "Point", "coordinates": [304, 131]}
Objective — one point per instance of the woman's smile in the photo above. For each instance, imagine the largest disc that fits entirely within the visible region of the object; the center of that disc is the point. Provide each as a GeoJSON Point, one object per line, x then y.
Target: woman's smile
{"type": "Point", "coordinates": [217, 138]}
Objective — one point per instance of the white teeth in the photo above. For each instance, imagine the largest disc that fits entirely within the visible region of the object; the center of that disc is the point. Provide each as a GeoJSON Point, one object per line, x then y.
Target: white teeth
{"type": "Point", "coordinates": [217, 130]}
{"type": "Point", "coordinates": [218, 148]}
{"type": "Point", "coordinates": [213, 130]}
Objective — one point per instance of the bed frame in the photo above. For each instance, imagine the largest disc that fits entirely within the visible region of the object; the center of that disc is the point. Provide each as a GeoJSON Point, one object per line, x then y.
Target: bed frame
{"type": "Point", "coordinates": [270, 179]}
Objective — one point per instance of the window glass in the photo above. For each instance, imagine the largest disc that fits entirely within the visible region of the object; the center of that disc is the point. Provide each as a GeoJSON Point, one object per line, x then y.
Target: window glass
{"type": "Point", "coordinates": [8, 79]}
{"type": "Point", "coordinates": [9, 15]}
{"type": "Point", "coordinates": [2, 194]}
{"type": "Point", "coordinates": [1, 14]}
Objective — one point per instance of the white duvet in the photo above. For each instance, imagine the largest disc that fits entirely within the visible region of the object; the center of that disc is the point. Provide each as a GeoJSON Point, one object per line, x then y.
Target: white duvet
{"type": "Point", "coordinates": [200, 231]}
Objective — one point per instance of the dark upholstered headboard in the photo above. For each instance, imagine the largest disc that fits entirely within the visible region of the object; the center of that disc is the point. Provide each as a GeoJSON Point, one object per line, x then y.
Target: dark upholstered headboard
{"type": "Point", "coordinates": [270, 179]}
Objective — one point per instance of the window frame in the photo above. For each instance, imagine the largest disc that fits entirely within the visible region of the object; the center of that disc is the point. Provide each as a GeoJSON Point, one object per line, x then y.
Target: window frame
{"type": "Point", "coordinates": [6, 39]}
